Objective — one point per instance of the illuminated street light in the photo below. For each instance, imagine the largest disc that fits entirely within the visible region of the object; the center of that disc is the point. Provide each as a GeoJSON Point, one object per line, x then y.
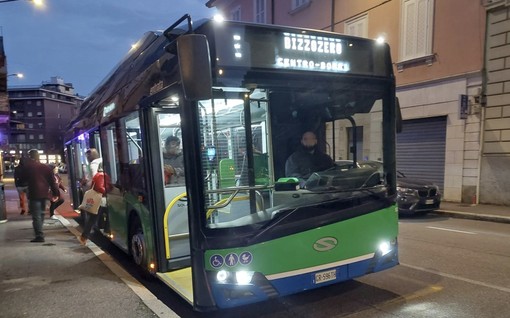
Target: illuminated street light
{"type": "Point", "coordinates": [18, 75]}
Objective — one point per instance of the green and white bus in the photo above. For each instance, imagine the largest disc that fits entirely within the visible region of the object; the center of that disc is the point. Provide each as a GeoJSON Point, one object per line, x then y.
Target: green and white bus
{"type": "Point", "coordinates": [235, 229]}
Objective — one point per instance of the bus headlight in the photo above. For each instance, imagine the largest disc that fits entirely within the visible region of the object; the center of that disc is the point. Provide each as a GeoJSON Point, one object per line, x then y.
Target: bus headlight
{"type": "Point", "coordinates": [222, 276]}
{"type": "Point", "coordinates": [237, 278]}
{"type": "Point", "coordinates": [384, 248]}
{"type": "Point", "coordinates": [244, 277]}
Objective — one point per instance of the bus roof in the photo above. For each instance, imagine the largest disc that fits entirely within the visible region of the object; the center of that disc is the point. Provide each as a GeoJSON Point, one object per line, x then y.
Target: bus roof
{"type": "Point", "coordinates": [149, 66]}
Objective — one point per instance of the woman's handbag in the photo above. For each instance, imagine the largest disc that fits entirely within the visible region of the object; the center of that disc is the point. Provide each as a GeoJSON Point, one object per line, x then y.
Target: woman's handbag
{"type": "Point", "coordinates": [91, 201]}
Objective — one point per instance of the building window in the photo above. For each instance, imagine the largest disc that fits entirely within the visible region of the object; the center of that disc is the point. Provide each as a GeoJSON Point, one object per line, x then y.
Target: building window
{"type": "Point", "coordinates": [30, 137]}
{"type": "Point", "coordinates": [41, 136]}
{"type": "Point", "coordinates": [260, 11]}
{"type": "Point", "coordinates": [417, 29]}
{"type": "Point", "coordinates": [236, 14]}
{"type": "Point", "coordinates": [30, 126]}
{"type": "Point", "coordinates": [357, 26]}
{"type": "Point", "coordinates": [20, 138]}
{"type": "Point", "coordinates": [29, 114]}
{"type": "Point", "coordinates": [38, 103]}
{"type": "Point", "coordinates": [29, 102]}
{"type": "Point", "coordinates": [39, 114]}
{"type": "Point", "coordinates": [296, 4]}
{"type": "Point", "coordinates": [40, 125]}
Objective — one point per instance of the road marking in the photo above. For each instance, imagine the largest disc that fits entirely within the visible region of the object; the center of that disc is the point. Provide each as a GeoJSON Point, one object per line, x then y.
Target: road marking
{"type": "Point", "coordinates": [450, 230]}
{"type": "Point", "coordinates": [467, 280]}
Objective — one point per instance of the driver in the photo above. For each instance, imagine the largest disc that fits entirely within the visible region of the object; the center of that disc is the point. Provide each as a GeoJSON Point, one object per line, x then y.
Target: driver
{"type": "Point", "coordinates": [307, 159]}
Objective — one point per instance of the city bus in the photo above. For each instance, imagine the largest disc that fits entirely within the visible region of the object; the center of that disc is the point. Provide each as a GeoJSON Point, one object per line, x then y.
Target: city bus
{"type": "Point", "coordinates": [234, 229]}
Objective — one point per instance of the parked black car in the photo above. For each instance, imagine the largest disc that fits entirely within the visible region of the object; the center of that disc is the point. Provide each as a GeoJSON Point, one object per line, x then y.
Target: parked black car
{"type": "Point", "coordinates": [414, 196]}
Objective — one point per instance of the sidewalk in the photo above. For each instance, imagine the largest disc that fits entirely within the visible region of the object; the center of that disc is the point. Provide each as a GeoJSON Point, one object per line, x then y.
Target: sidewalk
{"type": "Point", "coordinates": [60, 277]}
{"type": "Point", "coordinates": [483, 212]}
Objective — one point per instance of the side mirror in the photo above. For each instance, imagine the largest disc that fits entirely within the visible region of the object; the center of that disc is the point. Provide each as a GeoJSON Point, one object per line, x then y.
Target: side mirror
{"type": "Point", "coordinates": [195, 66]}
{"type": "Point", "coordinates": [398, 113]}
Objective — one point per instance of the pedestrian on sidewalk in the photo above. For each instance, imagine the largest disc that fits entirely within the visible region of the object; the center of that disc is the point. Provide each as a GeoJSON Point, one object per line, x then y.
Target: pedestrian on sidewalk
{"type": "Point", "coordinates": [55, 204]}
{"type": "Point", "coordinates": [21, 185]}
{"type": "Point", "coordinates": [40, 180]}
{"type": "Point", "coordinates": [100, 183]}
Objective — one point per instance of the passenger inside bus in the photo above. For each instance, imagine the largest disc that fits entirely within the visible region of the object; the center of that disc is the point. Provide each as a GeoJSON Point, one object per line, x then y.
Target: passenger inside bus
{"type": "Point", "coordinates": [307, 159]}
{"type": "Point", "coordinates": [173, 161]}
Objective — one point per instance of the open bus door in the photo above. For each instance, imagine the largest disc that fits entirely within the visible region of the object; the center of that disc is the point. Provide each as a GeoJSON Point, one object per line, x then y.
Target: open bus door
{"type": "Point", "coordinates": [182, 211]}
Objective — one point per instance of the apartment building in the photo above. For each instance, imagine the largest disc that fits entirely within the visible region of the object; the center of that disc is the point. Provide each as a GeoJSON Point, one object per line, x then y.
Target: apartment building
{"type": "Point", "coordinates": [454, 135]}
{"type": "Point", "coordinates": [4, 103]}
{"type": "Point", "coordinates": [39, 116]}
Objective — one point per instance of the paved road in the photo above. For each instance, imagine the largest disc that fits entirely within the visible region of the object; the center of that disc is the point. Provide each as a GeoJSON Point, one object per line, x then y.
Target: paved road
{"type": "Point", "coordinates": [449, 268]}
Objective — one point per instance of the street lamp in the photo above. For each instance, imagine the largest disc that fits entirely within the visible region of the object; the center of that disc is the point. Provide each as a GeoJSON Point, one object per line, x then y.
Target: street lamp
{"type": "Point", "coordinates": [18, 75]}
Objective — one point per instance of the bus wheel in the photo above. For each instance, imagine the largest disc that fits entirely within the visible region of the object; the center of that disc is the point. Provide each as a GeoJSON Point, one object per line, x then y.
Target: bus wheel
{"type": "Point", "coordinates": [138, 249]}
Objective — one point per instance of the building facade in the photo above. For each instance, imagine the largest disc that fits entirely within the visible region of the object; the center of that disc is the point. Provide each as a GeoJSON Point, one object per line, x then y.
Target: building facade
{"type": "Point", "coordinates": [39, 116]}
{"type": "Point", "coordinates": [454, 96]}
{"type": "Point", "coordinates": [495, 152]}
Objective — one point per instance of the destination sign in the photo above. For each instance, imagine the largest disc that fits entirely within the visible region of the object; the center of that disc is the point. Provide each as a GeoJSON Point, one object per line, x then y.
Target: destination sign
{"type": "Point", "coordinates": [310, 43]}
{"type": "Point", "coordinates": [312, 53]}
{"type": "Point", "coordinates": [281, 48]}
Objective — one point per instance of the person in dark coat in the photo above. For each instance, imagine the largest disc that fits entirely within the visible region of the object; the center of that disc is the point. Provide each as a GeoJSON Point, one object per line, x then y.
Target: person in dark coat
{"type": "Point", "coordinates": [40, 180]}
{"type": "Point", "coordinates": [307, 159]}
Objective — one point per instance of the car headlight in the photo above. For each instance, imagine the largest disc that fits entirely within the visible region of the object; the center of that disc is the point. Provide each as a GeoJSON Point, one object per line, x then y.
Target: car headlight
{"type": "Point", "coordinates": [408, 191]}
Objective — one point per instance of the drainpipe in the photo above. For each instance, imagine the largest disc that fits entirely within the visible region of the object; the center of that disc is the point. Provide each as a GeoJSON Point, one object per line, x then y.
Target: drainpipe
{"type": "Point", "coordinates": [333, 15]}
{"type": "Point", "coordinates": [483, 104]}
{"type": "Point", "coordinates": [272, 11]}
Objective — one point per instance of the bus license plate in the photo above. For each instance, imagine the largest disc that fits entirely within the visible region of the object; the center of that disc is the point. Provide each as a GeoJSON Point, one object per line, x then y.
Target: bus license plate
{"type": "Point", "coordinates": [325, 276]}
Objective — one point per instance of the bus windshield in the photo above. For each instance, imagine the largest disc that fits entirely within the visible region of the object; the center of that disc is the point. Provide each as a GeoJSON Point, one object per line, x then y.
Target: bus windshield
{"type": "Point", "coordinates": [249, 137]}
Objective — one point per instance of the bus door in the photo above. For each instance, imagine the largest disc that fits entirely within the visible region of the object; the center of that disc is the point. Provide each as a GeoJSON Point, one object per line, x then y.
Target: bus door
{"type": "Point", "coordinates": [122, 147]}
{"type": "Point", "coordinates": [81, 171]}
{"type": "Point", "coordinates": [175, 217]}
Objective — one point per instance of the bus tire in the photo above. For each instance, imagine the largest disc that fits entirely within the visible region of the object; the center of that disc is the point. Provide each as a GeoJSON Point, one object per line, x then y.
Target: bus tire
{"type": "Point", "coordinates": [137, 246]}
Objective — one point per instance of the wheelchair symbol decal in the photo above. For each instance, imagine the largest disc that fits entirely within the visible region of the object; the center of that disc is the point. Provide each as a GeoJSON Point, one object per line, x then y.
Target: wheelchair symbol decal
{"type": "Point", "coordinates": [216, 261]}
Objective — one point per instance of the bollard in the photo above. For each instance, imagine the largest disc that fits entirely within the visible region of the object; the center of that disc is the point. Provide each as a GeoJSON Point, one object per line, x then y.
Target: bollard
{"type": "Point", "coordinates": [3, 208]}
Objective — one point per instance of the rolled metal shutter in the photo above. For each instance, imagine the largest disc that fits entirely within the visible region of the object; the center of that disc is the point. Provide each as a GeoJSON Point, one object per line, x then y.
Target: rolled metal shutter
{"type": "Point", "coordinates": [421, 149]}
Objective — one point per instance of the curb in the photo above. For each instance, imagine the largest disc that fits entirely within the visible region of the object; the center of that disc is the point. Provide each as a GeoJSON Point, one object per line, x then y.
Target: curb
{"type": "Point", "coordinates": [474, 216]}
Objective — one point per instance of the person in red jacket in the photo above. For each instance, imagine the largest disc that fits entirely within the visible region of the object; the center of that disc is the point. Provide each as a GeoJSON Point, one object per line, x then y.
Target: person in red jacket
{"type": "Point", "coordinates": [101, 183]}
{"type": "Point", "coordinates": [40, 180]}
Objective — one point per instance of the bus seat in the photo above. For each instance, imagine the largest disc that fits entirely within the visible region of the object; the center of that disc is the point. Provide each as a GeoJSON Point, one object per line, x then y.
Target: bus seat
{"type": "Point", "coordinates": [261, 170]}
{"type": "Point", "coordinates": [226, 173]}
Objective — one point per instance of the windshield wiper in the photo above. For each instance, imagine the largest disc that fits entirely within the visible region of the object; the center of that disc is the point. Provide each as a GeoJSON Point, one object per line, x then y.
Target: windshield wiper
{"type": "Point", "coordinates": [285, 214]}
